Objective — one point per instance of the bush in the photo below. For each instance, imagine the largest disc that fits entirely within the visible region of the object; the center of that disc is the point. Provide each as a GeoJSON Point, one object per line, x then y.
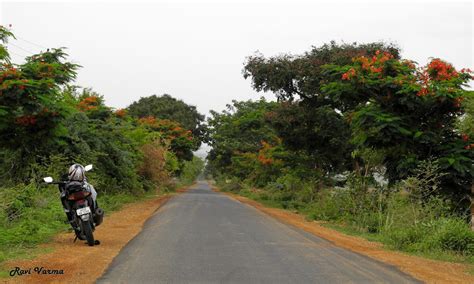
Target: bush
{"type": "Point", "coordinates": [232, 186]}
{"type": "Point", "coordinates": [403, 238]}
{"type": "Point", "coordinates": [154, 164]}
{"type": "Point", "coordinates": [454, 235]}
{"type": "Point", "coordinates": [326, 207]}
{"type": "Point", "coordinates": [29, 215]}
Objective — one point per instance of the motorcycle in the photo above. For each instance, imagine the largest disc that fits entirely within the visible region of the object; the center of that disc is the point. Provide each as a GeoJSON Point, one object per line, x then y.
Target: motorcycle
{"type": "Point", "coordinates": [80, 208]}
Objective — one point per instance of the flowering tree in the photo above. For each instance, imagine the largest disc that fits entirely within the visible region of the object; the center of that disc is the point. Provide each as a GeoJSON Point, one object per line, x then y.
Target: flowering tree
{"type": "Point", "coordinates": [31, 104]}
{"type": "Point", "coordinates": [167, 107]}
{"type": "Point", "coordinates": [181, 141]}
{"type": "Point", "coordinates": [408, 112]}
{"type": "Point", "coordinates": [243, 142]}
{"type": "Point", "coordinates": [381, 102]}
{"type": "Point", "coordinates": [308, 120]}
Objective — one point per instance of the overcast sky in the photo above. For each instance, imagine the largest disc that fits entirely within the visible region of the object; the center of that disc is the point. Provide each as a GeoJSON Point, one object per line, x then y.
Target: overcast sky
{"type": "Point", "coordinates": [195, 50]}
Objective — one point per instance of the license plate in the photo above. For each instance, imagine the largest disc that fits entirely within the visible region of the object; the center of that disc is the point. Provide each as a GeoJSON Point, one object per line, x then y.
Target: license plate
{"type": "Point", "coordinates": [83, 211]}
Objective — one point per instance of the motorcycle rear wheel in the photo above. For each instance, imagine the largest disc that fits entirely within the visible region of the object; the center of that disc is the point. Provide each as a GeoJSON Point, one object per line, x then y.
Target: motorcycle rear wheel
{"type": "Point", "coordinates": [87, 230]}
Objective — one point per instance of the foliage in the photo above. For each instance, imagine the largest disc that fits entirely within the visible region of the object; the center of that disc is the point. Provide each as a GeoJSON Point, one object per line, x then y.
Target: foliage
{"type": "Point", "coordinates": [320, 132]}
{"type": "Point", "coordinates": [106, 145]}
{"type": "Point", "coordinates": [382, 102]}
{"type": "Point", "coordinates": [180, 140]}
{"type": "Point", "coordinates": [243, 143]}
{"type": "Point", "coordinates": [292, 77]}
{"type": "Point", "coordinates": [466, 122]}
{"type": "Point", "coordinates": [409, 113]}
{"type": "Point", "coordinates": [166, 107]}
{"type": "Point", "coordinates": [156, 164]}
{"type": "Point", "coordinates": [191, 170]}
{"type": "Point", "coordinates": [308, 119]}
{"type": "Point", "coordinates": [32, 108]}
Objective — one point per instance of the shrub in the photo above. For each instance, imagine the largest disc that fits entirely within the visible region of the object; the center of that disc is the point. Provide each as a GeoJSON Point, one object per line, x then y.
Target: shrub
{"type": "Point", "coordinates": [154, 165]}
{"type": "Point", "coordinates": [232, 186]}
{"type": "Point", "coordinates": [453, 234]}
{"type": "Point", "coordinates": [403, 238]}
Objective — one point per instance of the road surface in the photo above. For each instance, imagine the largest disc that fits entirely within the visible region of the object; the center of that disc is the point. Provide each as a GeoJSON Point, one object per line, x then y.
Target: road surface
{"type": "Point", "coordinates": [206, 237]}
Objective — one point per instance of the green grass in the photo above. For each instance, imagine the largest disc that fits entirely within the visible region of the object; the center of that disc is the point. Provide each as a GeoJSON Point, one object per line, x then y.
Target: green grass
{"type": "Point", "coordinates": [264, 201]}
{"type": "Point", "coordinates": [435, 254]}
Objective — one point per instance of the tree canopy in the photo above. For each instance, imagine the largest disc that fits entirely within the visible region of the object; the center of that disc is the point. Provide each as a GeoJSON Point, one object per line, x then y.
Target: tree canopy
{"type": "Point", "coordinates": [339, 99]}
{"type": "Point", "coordinates": [167, 107]}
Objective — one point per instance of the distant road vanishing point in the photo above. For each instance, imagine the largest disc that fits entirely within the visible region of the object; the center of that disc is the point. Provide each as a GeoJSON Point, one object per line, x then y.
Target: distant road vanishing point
{"type": "Point", "coordinates": [206, 237]}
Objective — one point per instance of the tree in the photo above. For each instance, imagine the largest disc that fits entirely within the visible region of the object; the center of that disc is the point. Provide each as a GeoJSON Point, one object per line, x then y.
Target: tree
{"type": "Point", "coordinates": [180, 140]}
{"type": "Point", "coordinates": [310, 118]}
{"type": "Point", "coordinates": [321, 133]}
{"type": "Point", "coordinates": [237, 135]}
{"type": "Point", "coordinates": [408, 112]}
{"type": "Point", "coordinates": [466, 122]}
{"type": "Point", "coordinates": [167, 107]}
{"type": "Point", "coordinates": [192, 169]}
{"type": "Point", "coordinates": [301, 77]}
{"type": "Point", "coordinates": [32, 105]}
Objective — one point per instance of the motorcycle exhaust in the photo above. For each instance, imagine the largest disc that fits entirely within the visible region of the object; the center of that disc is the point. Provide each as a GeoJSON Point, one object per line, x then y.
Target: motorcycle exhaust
{"type": "Point", "coordinates": [98, 216]}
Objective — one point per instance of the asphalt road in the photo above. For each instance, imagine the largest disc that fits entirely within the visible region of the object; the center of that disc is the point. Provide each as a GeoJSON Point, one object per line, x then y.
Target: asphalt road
{"type": "Point", "coordinates": [206, 237]}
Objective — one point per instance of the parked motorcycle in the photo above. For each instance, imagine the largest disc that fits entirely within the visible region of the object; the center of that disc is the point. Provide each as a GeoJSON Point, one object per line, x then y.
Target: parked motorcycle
{"type": "Point", "coordinates": [80, 208]}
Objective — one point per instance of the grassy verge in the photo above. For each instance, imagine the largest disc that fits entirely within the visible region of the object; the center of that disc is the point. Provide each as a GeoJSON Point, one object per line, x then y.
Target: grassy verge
{"type": "Point", "coordinates": [436, 254]}
{"type": "Point", "coordinates": [444, 238]}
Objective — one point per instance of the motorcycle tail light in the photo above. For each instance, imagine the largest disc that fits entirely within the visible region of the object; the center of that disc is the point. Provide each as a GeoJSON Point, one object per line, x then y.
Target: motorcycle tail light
{"type": "Point", "coordinates": [78, 195]}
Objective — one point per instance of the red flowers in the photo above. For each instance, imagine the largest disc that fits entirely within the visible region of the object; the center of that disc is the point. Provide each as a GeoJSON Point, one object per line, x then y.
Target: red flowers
{"type": "Point", "coordinates": [437, 71]}
{"type": "Point", "coordinates": [26, 120]}
{"type": "Point", "coordinates": [121, 113]}
{"type": "Point", "coordinates": [149, 120]}
{"type": "Point", "coordinates": [376, 70]}
{"type": "Point", "coordinates": [349, 74]}
{"type": "Point", "coordinates": [440, 70]}
{"type": "Point", "coordinates": [458, 101]}
{"type": "Point", "coordinates": [263, 154]}
{"type": "Point", "coordinates": [89, 103]}
{"type": "Point", "coordinates": [466, 138]}
{"type": "Point", "coordinates": [423, 92]}
{"type": "Point", "coordinates": [169, 130]}
{"type": "Point", "coordinates": [374, 65]}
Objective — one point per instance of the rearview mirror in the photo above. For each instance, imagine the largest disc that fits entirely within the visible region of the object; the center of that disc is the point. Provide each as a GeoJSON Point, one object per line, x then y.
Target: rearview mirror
{"type": "Point", "coordinates": [48, 179]}
{"type": "Point", "coordinates": [88, 168]}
